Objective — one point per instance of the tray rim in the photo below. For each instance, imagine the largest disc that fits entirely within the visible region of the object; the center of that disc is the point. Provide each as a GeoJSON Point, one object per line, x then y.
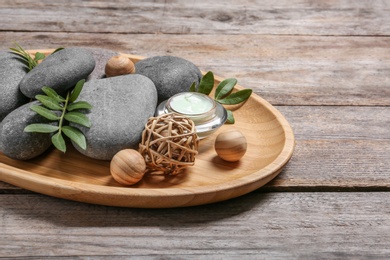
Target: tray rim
{"type": "Point", "coordinates": [78, 191]}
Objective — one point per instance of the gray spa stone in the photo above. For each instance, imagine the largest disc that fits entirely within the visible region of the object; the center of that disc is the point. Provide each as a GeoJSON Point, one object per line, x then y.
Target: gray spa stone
{"type": "Point", "coordinates": [101, 57]}
{"type": "Point", "coordinates": [12, 71]}
{"type": "Point", "coordinates": [17, 144]}
{"type": "Point", "coordinates": [121, 107]}
{"type": "Point", "coordinates": [60, 71]}
{"type": "Point", "coordinates": [170, 74]}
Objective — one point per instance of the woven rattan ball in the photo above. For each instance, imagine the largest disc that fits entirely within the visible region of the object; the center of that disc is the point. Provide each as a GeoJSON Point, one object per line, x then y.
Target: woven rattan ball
{"type": "Point", "coordinates": [169, 143]}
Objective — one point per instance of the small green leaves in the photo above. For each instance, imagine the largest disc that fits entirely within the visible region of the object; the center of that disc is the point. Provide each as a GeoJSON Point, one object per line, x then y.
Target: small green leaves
{"type": "Point", "coordinates": [78, 118]}
{"type": "Point", "coordinates": [206, 83]}
{"type": "Point", "coordinates": [230, 117]}
{"type": "Point", "coordinates": [59, 142]}
{"type": "Point", "coordinates": [51, 93]}
{"type": "Point", "coordinates": [79, 105]}
{"type": "Point", "coordinates": [56, 108]}
{"type": "Point", "coordinates": [76, 136]}
{"type": "Point", "coordinates": [224, 88]}
{"type": "Point", "coordinates": [223, 92]}
{"type": "Point", "coordinates": [26, 57]}
{"type": "Point", "coordinates": [193, 87]}
{"type": "Point", "coordinates": [49, 102]}
{"type": "Point", "coordinates": [41, 128]}
{"type": "Point", "coordinates": [58, 49]}
{"type": "Point", "coordinates": [236, 97]}
{"type": "Point", "coordinates": [46, 113]}
{"type": "Point", "coordinates": [39, 56]}
{"type": "Point", "coordinates": [76, 91]}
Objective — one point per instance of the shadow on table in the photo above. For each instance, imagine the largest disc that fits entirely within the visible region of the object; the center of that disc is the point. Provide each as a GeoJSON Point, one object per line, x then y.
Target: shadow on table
{"type": "Point", "coordinates": [61, 212]}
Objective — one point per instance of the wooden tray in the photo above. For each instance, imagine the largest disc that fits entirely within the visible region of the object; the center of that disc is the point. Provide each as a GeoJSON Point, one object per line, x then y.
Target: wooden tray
{"type": "Point", "coordinates": [73, 176]}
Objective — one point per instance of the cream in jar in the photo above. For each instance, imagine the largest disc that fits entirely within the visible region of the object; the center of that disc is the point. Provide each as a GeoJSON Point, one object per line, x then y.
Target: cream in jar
{"type": "Point", "coordinates": [207, 114]}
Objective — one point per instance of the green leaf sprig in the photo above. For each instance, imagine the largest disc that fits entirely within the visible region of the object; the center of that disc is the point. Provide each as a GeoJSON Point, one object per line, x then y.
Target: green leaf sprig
{"type": "Point", "coordinates": [26, 57]}
{"type": "Point", "coordinates": [223, 93]}
{"type": "Point", "coordinates": [56, 108]}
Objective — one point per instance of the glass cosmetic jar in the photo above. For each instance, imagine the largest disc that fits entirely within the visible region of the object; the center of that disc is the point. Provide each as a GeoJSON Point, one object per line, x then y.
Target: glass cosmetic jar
{"type": "Point", "coordinates": [207, 114]}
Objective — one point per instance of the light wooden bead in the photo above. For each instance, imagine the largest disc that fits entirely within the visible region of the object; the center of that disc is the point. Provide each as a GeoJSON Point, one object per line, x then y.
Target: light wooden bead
{"type": "Point", "coordinates": [128, 167]}
{"type": "Point", "coordinates": [231, 145]}
{"type": "Point", "coordinates": [119, 65]}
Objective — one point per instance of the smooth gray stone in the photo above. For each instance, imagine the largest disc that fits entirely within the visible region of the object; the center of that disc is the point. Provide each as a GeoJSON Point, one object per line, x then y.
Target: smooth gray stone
{"type": "Point", "coordinates": [17, 144]}
{"type": "Point", "coordinates": [121, 107]}
{"type": "Point", "coordinates": [60, 71]}
{"type": "Point", "coordinates": [101, 57]}
{"type": "Point", "coordinates": [170, 74]}
{"type": "Point", "coordinates": [12, 71]}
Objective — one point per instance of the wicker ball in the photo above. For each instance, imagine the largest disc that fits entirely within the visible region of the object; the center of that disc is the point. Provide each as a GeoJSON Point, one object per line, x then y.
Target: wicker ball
{"type": "Point", "coordinates": [169, 143]}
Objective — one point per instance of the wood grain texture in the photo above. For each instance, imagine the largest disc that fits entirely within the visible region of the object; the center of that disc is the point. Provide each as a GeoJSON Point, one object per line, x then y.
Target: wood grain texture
{"type": "Point", "coordinates": [198, 17]}
{"type": "Point", "coordinates": [318, 225]}
{"type": "Point", "coordinates": [334, 165]}
{"type": "Point", "coordinates": [339, 123]}
{"type": "Point", "coordinates": [324, 63]}
{"type": "Point", "coordinates": [338, 148]}
{"type": "Point", "coordinates": [285, 70]}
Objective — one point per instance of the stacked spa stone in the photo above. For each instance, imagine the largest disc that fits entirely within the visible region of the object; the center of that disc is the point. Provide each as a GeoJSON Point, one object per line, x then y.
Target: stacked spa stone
{"type": "Point", "coordinates": [121, 105]}
{"type": "Point", "coordinates": [12, 71]}
{"type": "Point", "coordinates": [170, 74]}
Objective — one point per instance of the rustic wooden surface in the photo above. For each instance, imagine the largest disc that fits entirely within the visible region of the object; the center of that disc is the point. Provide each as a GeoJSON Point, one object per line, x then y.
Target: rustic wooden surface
{"type": "Point", "coordinates": [324, 64]}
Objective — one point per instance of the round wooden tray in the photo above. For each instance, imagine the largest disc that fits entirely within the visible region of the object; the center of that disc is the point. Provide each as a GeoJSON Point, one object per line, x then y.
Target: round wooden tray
{"type": "Point", "coordinates": [73, 176]}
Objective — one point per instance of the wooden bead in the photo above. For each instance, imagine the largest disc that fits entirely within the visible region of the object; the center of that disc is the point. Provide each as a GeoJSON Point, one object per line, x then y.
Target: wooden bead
{"type": "Point", "coordinates": [128, 167]}
{"type": "Point", "coordinates": [119, 65]}
{"type": "Point", "coordinates": [231, 145]}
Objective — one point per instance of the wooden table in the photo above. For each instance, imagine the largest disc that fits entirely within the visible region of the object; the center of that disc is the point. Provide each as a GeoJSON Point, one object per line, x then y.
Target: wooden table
{"type": "Point", "coordinates": [324, 64]}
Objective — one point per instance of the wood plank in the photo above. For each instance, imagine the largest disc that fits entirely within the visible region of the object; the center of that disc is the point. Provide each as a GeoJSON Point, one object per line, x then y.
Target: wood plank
{"type": "Point", "coordinates": [199, 17]}
{"type": "Point", "coordinates": [336, 165]}
{"type": "Point", "coordinates": [300, 56]}
{"type": "Point", "coordinates": [285, 70]}
{"type": "Point", "coordinates": [305, 225]}
{"type": "Point", "coordinates": [337, 148]}
{"type": "Point", "coordinates": [338, 123]}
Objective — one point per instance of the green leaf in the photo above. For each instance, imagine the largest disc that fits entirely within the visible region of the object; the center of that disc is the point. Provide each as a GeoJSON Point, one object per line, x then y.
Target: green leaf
{"type": "Point", "coordinates": [206, 83]}
{"type": "Point", "coordinates": [76, 91]}
{"type": "Point", "coordinates": [49, 102]}
{"type": "Point", "coordinates": [16, 51]}
{"type": "Point", "coordinates": [79, 105]}
{"type": "Point", "coordinates": [225, 87]}
{"type": "Point", "coordinates": [25, 61]}
{"type": "Point", "coordinates": [230, 117]}
{"type": "Point", "coordinates": [39, 56]}
{"type": "Point", "coordinates": [19, 48]}
{"type": "Point", "coordinates": [59, 142]}
{"type": "Point", "coordinates": [53, 94]}
{"type": "Point", "coordinates": [41, 128]}
{"type": "Point", "coordinates": [236, 97]}
{"type": "Point", "coordinates": [193, 87]}
{"type": "Point", "coordinates": [76, 136]}
{"type": "Point", "coordinates": [58, 49]}
{"type": "Point", "coordinates": [78, 118]}
{"type": "Point", "coordinates": [46, 113]}
{"type": "Point", "coordinates": [30, 62]}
